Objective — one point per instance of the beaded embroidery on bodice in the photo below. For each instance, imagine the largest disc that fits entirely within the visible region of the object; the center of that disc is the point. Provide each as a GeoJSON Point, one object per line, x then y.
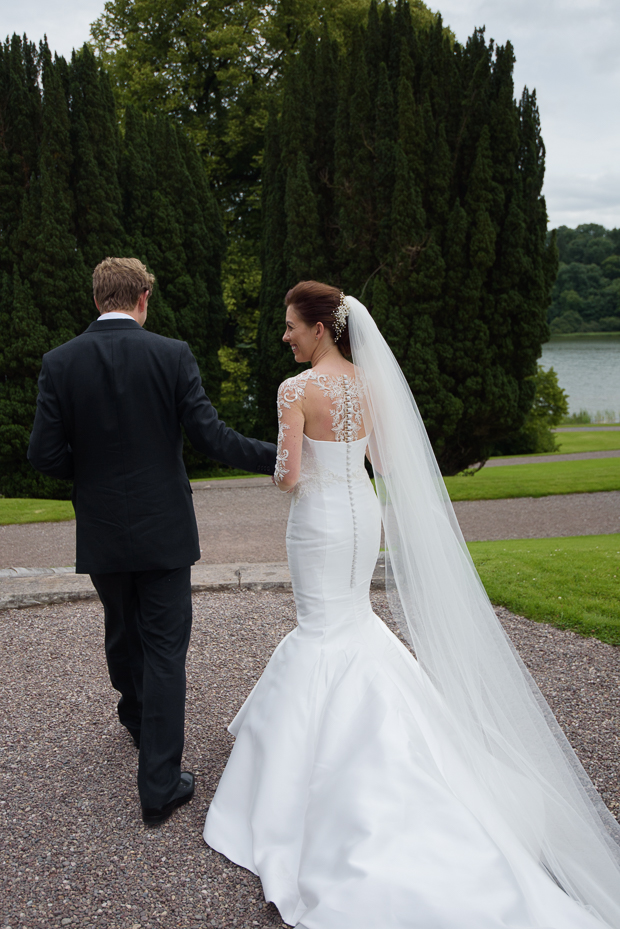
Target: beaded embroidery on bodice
{"type": "Point", "coordinates": [346, 395]}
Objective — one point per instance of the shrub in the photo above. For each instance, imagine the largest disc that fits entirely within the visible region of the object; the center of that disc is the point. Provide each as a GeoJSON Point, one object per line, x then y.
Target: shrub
{"type": "Point", "coordinates": [549, 409]}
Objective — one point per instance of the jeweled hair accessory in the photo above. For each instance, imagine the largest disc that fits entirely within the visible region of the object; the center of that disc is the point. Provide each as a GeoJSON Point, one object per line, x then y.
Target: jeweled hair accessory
{"type": "Point", "coordinates": [340, 316]}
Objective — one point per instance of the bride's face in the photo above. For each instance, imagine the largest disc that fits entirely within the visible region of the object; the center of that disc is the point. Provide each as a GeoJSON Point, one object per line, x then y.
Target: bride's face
{"type": "Point", "coordinates": [301, 337]}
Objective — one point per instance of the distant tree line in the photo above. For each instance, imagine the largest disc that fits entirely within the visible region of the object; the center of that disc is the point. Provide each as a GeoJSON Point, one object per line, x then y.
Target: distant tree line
{"type": "Point", "coordinates": [74, 189]}
{"type": "Point", "coordinates": [402, 170]}
{"type": "Point", "coordinates": [586, 294]}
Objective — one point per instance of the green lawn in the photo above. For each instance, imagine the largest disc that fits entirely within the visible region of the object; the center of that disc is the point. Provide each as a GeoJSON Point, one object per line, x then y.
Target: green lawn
{"type": "Point", "coordinates": [572, 583]}
{"type": "Point", "coordinates": [15, 510]}
{"type": "Point", "coordinates": [537, 480]}
{"type": "Point", "coordinates": [570, 442]}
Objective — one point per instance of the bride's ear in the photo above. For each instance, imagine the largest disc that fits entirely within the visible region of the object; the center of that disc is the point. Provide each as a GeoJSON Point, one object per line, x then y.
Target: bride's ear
{"type": "Point", "coordinates": [319, 330]}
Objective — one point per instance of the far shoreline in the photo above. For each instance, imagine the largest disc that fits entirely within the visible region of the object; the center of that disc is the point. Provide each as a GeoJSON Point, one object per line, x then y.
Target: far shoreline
{"type": "Point", "coordinates": [565, 336]}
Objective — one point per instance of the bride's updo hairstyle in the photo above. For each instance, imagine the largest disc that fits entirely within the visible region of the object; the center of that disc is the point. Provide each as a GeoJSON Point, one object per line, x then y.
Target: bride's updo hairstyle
{"type": "Point", "coordinates": [316, 303]}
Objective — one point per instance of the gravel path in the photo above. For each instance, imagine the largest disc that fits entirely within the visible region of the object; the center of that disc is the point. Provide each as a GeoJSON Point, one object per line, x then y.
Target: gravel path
{"type": "Point", "coordinates": [241, 520]}
{"type": "Point", "coordinates": [73, 851]}
{"type": "Point", "coordinates": [245, 521]}
{"type": "Point", "coordinates": [540, 517]}
{"type": "Point", "coordinates": [37, 545]}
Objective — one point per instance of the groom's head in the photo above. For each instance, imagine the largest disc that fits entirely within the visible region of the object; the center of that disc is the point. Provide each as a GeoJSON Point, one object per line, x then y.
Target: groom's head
{"type": "Point", "coordinates": [118, 284]}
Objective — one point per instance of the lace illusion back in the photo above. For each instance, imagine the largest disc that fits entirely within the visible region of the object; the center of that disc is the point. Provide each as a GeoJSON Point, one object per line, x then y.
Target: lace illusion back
{"type": "Point", "coordinates": [339, 394]}
{"type": "Point", "coordinates": [339, 398]}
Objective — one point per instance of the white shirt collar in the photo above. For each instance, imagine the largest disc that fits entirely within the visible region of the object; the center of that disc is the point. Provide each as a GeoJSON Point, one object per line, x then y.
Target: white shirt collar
{"type": "Point", "coordinates": [114, 316]}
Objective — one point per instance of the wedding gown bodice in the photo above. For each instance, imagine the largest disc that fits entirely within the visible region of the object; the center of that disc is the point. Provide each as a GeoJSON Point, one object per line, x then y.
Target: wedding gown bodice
{"type": "Point", "coordinates": [324, 463]}
{"type": "Point", "coordinates": [347, 789]}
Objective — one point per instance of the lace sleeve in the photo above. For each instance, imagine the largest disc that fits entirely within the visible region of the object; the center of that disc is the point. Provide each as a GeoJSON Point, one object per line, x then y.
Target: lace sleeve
{"type": "Point", "coordinates": [290, 434]}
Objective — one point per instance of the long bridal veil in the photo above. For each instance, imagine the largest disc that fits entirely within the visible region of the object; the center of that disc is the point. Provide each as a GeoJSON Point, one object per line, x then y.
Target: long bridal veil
{"type": "Point", "coordinates": [516, 750]}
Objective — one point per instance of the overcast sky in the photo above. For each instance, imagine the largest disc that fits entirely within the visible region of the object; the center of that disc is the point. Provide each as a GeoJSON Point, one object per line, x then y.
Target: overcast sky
{"type": "Point", "coordinates": [568, 50]}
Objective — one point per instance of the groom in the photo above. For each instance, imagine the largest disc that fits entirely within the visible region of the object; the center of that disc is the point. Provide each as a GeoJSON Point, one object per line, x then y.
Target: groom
{"type": "Point", "coordinates": [109, 414]}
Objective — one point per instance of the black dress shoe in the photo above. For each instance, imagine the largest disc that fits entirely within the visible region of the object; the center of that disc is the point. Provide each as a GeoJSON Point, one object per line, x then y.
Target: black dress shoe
{"type": "Point", "coordinates": [155, 816]}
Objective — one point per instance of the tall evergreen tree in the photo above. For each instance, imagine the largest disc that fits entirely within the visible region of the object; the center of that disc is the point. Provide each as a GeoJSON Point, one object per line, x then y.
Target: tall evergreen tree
{"type": "Point", "coordinates": [48, 255]}
{"type": "Point", "coordinates": [74, 189]}
{"type": "Point", "coordinates": [173, 224]}
{"type": "Point", "coordinates": [433, 216]}
{"type": "Point", "coordinates": [95, 180]}
{"type": "Point", "coordinates": [274, 277]}
{"type": "Point", "coordinates": [354, 172]}
{"type": "Point", "coordinates": [25, 339]}
{"type": "Point", "coordinates": [20, 119]}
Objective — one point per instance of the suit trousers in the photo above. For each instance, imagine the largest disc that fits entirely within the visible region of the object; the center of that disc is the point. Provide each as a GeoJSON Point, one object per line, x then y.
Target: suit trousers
{"type": "Point", "coordinates": [148, 620]}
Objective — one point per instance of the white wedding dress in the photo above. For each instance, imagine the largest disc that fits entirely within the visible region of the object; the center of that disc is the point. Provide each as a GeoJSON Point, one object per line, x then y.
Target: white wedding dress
{"type": "Point", "coordinates": [348, 790]}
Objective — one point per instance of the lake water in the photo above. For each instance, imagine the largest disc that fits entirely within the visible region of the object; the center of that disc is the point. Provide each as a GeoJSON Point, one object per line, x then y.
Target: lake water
{"type": "Point", "coordinates": [588, 370]}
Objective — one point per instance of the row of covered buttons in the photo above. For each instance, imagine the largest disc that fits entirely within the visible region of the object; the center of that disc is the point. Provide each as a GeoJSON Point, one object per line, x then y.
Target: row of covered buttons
{"type": "Point", "coordinates": [348, 407]}
{"type": "Point", "coordinates": [348, 435]}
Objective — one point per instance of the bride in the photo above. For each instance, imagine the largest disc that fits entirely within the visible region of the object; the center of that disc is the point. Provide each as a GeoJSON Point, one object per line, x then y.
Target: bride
{"type": "Point", "coordinates": [368, 788]}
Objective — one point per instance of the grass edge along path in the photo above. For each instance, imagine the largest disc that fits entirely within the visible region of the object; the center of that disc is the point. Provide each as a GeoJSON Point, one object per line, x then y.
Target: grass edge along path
{"type": "Point", "coordinates": [18, 511]}
{"type": "Point", "coordinates": [537, 480]}
{"type": "Point", "coordinates": [528, 480]}
{"type": "Point", "coordinates": [572, 582]}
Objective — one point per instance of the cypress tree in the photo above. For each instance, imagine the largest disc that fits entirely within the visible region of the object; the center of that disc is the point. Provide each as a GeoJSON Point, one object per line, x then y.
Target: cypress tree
{"type": "Point", "coordinates": [434, 217]}
{"type": "Point", "coordinates": [50, 258]}
{"type": "Point", "coordinates": [138, 178]}
{"type": "Point", "coordinates": [20, 115]}
{"type": "Point", "coordinates": [452, 329]}
{"type": "Point", "coordinates": [72, 191]}
{"type": "Point", "coordinates": [25, 339]}
{"type": "Point", "coordinates": [322, 167]}
{"type": "Point", "coordinates": [411, 124]}
{"type": "Point", "coordinates": [173, 225]}
{"type": "Point", "coordinates": [204, 248]}
{"type": "Point", "coordinates": [95, 181]}
{"type": "Point", "coordinates": [164, 220]}
{"type": "Point", "coordinates": [303, 245]}
{"type": "Point", "coordinates": [530, 328]}
{"type": "Point", "coordinates": [272, 364]}
{"type": "Point", "coordinates": [354, 169]}
{"type": "Point", "coordinates": [298, 111]}
{"type": "Point", "coordinates": [373, 44]}
{"type": "Point", "coordinates": [385, 156]}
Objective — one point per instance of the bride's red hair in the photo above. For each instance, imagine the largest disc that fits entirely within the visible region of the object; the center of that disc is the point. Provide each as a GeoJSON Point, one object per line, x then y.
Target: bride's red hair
{"type": "Point", "coordinates": [316, 303]}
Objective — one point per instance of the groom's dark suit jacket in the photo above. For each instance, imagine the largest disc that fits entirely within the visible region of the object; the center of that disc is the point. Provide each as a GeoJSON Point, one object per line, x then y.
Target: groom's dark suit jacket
{"type": "Point", "coordinates": [109, 415]}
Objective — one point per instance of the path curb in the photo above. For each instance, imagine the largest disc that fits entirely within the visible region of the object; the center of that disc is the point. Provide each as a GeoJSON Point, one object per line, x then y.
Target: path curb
{"type": "Point", "coordinates": [24, 587]}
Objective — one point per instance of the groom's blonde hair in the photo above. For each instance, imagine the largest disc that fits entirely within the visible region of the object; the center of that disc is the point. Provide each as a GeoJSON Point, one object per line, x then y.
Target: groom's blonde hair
{"type": "Point", "coordinates": [119, 282]}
